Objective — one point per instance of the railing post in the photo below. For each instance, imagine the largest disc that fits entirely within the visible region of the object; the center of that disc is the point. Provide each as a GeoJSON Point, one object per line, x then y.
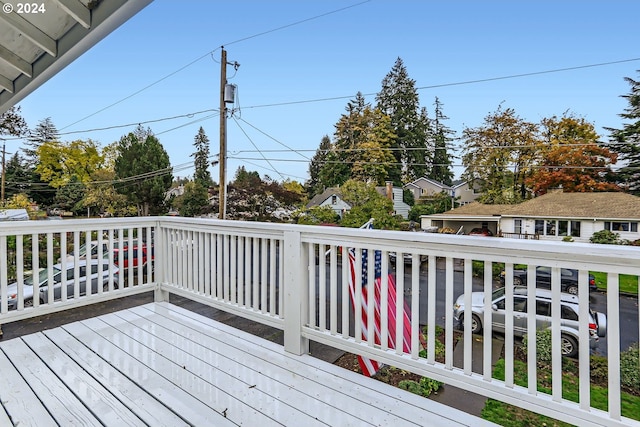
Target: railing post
{"type": "Point", "coordinates": [296, 291]}
{"type": "Point", "coordinates": [159, 263]}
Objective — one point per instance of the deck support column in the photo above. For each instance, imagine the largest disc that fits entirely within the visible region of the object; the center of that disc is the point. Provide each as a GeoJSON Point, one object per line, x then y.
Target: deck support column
{"type": "Point", "coordinates": [295, 293]}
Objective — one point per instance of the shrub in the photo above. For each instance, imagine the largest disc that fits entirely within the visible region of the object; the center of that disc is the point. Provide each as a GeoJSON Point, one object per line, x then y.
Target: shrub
{"type": "Point", "coordinates": [425, 387]}
{"type": "Point", "coordinates": [543, 345]}
{"type": "Point", "coordinates": [567, 239]}
{"type": "Point", "coordinates": [630, 367]}
{"type": "Point", "coordinates": [605, 237]}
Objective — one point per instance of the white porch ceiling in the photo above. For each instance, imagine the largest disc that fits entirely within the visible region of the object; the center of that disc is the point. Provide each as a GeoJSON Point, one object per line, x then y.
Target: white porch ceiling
{"type": "Point", "coordinates": [36, 46]}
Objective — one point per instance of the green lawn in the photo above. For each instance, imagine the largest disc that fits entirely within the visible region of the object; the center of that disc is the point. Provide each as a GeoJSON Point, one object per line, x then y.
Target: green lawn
{"type": "Point", "coordinates": [628, 284]}
{"type": "Point", "coordinates": [511, 416]}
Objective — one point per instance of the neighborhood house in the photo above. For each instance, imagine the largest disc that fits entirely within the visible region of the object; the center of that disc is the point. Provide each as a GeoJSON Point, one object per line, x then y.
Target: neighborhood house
{"type": "Point", "coordinates": [553, 216]}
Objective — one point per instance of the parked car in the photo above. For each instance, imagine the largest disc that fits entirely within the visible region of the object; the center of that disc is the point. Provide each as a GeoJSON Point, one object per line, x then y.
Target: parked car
{"type": "Point", "coordinates": [141, 255]}
{"type": "Point", "coordinates": [64, 275]}
{"type": "Point", "coordinates": [568, 279]}
{"type": "Point", "coordinates": [481, 232]}
{"type": "Point", "coordinates": [569, 316]}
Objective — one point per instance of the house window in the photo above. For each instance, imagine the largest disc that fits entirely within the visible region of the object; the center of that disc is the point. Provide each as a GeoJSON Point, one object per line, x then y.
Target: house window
{"type": "Point", "coordinates": [621, 226]}
{"type": "Point", "coordinates": [539, 227]}
{"type": "Point", "coordinates": [563, 228]}
{"type": "Point", "coordinates": [575, 228]}
{"type": "Point", "coordinates": [550, 229]}
{"type": "Point", "coordinates": [334, 199]}
{"type": "Point", "coordinates": [517, 226]}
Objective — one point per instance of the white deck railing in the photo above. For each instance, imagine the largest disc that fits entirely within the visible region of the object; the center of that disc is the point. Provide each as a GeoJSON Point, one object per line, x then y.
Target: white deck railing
{"type": "Point", "coordinates": [291, 277]}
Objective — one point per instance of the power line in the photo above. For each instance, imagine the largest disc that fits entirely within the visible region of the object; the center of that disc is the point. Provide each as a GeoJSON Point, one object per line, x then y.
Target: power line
{"type": "Point", "coordinates": [211, 53]}
{"type": "Point", "coordinates": [256, 147]}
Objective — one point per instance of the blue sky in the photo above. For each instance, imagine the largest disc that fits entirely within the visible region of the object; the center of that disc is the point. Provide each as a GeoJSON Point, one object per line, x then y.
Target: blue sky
{"type": "Point", "coordinates": [314, 50]}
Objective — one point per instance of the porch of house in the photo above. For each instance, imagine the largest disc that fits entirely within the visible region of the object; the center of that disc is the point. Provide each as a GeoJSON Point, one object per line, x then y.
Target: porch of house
{"type": "Point", "coordinates": [162, 365]}
{"type": "Point", "coordinates": [159, 364]}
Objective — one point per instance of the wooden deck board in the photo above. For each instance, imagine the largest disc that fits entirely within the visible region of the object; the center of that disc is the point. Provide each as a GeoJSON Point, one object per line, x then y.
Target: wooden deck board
{"type": "Point", "coordinates": [162, 365]}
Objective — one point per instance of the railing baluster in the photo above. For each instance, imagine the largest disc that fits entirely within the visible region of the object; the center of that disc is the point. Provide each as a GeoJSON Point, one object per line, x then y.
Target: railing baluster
{"type": "Point", "coordinates": [613, 344]}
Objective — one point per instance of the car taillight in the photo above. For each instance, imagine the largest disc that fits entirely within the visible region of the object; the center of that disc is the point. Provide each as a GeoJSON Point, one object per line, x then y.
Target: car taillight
{"type": "Point", "coordinates": [592, 281]}
{"type": "Point", "coordinates": [593, 326]}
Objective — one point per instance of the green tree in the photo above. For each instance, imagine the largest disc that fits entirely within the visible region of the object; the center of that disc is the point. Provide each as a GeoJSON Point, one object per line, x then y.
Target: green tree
{"type": "Point", "coordinates": [367, 203]}
{"type": "Point", "coordinates": [361, 146]}
{"type": "Point", "coordinates": [626, 141]}
{"type": "Point", "coordinates": [70, 196]}
{"type": "Point", "coordinates": [201, 160]}
{"type": "Point", "coordinates": [11, 124]}
{"type": "Point", "coordinates": [18, 176]}
{"type": "Point", "coordinates": [101, 196]}
{"type": "Point", "coordinates": [45, 131]}
{"type": "Point", "coordinates": [399, 99]}
{"type": "Point", "coordinates": [194, 201]}
{"type": "Point", "coordinates": [442, 142]}
{"type": "Point", "coordinates": [438, 203]}
{"type": "Point", "coordinates": [143, 172]}
{"type": "Point", "coordinates": [315, 184]}
{"type": "Point", "coordinates": [60, 162]}
{"type": "Point", "coordinates": [316, 215]}
{"type": "Point", "coordinates": [500, 155]}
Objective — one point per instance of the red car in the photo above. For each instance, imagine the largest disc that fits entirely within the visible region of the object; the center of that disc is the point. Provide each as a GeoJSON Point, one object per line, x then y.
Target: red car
{"type": "Point", "coordinates": [140, 256]}
{"type": "Point", "coordinates": [480, 232]}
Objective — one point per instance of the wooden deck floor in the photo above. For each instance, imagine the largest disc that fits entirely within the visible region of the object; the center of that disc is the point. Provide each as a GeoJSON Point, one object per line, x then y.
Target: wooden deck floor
{"type": "Point", "coordinates": [161, 365]}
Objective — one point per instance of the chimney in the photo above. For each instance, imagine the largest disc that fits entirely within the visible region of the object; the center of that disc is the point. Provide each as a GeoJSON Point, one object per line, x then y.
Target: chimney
{"type": "Point", "coordinates": [389, 190]}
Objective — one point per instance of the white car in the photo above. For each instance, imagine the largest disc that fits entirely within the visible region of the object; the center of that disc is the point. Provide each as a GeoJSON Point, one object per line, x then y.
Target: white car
{"type": "Point", "coordinates": [63, 275]}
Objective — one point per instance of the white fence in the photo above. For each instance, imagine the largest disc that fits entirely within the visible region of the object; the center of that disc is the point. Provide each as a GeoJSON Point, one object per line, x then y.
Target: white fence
{"type": "Point", "coordinates": [296, 278]}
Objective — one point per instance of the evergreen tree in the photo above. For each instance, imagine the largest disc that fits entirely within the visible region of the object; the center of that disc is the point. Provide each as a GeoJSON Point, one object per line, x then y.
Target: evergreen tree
{"type": "Point", "coordinates": [18, 176]}
{"type": "Point", "coordinates": [398, 99]}
{"type": "Point", "coordinates": [315, 185]}
{"type": "Point", "coordinates": [361, 146]}
{"type": "Point", "coordinates": [143, 171]}
{"type": "Point", "coordinates": [626, 141]}
{"type": "Point", "coordinates": [45, 131]}
{"type": "Point", "coordinates": [442, 138]}
{"type": "Point", "coordinates": [201, 160]}
{"type": "Point", "coordinates": [194, 201]}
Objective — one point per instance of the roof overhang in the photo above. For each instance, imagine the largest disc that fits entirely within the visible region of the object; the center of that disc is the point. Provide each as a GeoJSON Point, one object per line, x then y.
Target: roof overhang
{"type": "Point", "coordinates": [36, 46]}
{"type": "Point", "coordinates": [495, 218]}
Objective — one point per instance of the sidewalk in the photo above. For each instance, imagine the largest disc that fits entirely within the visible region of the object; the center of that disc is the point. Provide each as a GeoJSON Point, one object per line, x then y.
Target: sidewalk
{"type": "Point", "coordinates": [463, 400]}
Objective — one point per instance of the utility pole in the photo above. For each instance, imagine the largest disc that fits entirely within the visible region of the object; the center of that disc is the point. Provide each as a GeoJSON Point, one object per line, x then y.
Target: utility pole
{"type": "Point", "coordinates": [222, 212]}
{"type": "Point", "coordinates": [226, 97]}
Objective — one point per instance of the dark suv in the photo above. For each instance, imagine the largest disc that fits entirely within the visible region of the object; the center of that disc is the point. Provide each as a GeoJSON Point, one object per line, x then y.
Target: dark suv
{"type": "Point", "coordinates": [568, 279]}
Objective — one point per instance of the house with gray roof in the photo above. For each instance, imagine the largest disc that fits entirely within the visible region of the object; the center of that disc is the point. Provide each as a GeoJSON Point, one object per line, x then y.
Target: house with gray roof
{"type": "Point", "coordinates": [462, 191]}
{"type": "Point", "coordinates": [330, 197]}
{"type": "Point", "coordinates": [552, 216]}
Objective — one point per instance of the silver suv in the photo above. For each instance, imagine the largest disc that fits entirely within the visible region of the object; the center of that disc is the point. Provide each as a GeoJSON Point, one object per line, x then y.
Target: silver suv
{"type": "Point", "coordinates": [568, 313]}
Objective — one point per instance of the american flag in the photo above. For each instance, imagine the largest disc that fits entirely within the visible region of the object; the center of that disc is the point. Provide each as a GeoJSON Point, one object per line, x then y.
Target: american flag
{"type": "Point", "coordinates": [370, 367]}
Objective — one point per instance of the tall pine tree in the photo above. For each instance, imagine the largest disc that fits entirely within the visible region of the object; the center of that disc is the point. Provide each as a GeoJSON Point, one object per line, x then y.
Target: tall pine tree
{"type": "Point", "coordinates": [45, 131]}
{"type": "Point", "coordinates": [398, 99]}
{"type": "Point", "coordinates": [626, 141]}
{"type": "Point", "coordinates": [315, 185]}
{"type": "Point", "coordinates": [442, 142]}
{"type": "Point", "coordinates": [201, 159]}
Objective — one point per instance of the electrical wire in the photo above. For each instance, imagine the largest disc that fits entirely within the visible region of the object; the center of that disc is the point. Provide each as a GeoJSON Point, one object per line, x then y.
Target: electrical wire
{"type": "Point", "coordinates": [211, 53]}
{"type": "Point", "coordinates": [256, 147]}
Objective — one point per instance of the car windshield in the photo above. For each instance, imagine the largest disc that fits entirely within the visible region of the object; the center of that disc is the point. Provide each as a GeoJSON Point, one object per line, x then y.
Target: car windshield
{"type": "Point", "coordinates": [497, 294]}
{"type": "Point", "coordinates": [42, 276]}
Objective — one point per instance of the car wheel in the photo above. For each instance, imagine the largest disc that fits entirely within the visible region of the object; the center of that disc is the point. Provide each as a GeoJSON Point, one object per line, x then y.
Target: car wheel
{"type": "Point", "coordinates": [517, 281]}
{"type": "Point", "coordinates": [569, 346]}
{"type": "Point", "coordinates": [476, 324]}
{"type": "Point", "coordinates": [572, 289]}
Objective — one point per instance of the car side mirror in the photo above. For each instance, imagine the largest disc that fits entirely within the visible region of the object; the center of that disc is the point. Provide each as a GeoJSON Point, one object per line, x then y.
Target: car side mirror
{"type": "Point", "coordinates": [494, 307]}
